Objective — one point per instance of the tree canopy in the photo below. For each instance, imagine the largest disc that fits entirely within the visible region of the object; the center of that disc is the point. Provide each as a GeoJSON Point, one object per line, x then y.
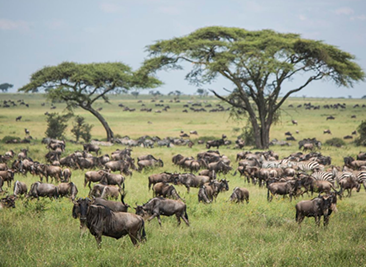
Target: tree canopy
{"type": "Point", "coordinates": [258, 63]}
{"type": "Point", "coordinates": [5, 86]}
{"type": "Point", "coordinates": [80, 85]}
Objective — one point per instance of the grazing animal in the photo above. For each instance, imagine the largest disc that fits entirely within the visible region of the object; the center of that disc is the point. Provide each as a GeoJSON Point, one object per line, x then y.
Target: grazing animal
{"type": "Point", "coordinates": [27, 132]}
{"type": "Point", "coordinates": [190, 180]}
{"type": "Point", "coordinates": [239, 195]}
{"type": "Point", "coordinates": [160, 206]}
{"type": "Point", "coordinates": [113, 205]}
{"type": "Point", "coordinates": [348, 184]}
{"type": "Point", "coordinates": [213, 188]}
{"type": "Point", "coordinates": [79, 210]}
{"type": "Point", "coordinates": [281, 188]}
{"type": "Point", "coordinates": [8, 176]}
{"type": "Point", "coordinates": [67, 189]}
{"type": "Point", "coordinates": [91, 148]}
{"type": "Point", "coordinates": [66, 174]}
{"type": "Point", "coordinates": [143, 164]}
{"type": "Point", "coordinates": [101, 220]}
{"type": "Point", "coordinates": [317, 207]}
{"type": "Point", "coordinates": [93, 176]}
{"type": "Point", "coordinates": [330, 118]}
{"type": "Point", "coordinates": [20, 188]}
{"type": "Point", "coordinates": [113, 179]}
{"type": "Point", "coordinates": [39, 189]}
{"type": "Point", "coordinates": [294, 122]}
{"type": "Point", "coordinates": [327, 131]}
{"type": "Point", "coordinates": [165, 190]}
{"type": "Point", "coordinates": [202, 195]}
{"type": "Point", "coordinates": [7, 202]}
{"type": "Point", "coordinates": [18, 118]}
{"type": "Point", "coordinates": [164, 177]}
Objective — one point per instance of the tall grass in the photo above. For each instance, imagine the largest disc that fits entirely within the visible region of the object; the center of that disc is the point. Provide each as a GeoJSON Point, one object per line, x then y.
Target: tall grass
{"type": "Point", "coordinates": [43, 233]}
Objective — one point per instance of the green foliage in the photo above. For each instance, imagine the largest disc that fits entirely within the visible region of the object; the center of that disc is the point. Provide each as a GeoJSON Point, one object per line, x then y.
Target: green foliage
{"type": "Point", "coordinates": [248, 136]}
{"type": "Point", "coordinates": [361, 140]}
{"type": "Point", "coordinates": [257, 63]}
{"type": "Point", "coordinates": [10, 138]}
{"type": "Point", "coordinates": [56, 125]}
{"type": "Point", "coordinates": [335, 141]}
{"type": "Point", "coordinates": [81, 129]}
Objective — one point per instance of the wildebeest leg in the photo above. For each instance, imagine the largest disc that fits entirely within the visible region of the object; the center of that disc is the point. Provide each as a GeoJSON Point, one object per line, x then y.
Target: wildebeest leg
{"type": "Point", "coordinates": [184, 218]}
{"type": "Point", "coordinates": [153, 216]}
{"type": "Point", "coordinates": [98, 238]}
{"type": "Point", "coordinates": [178, 218]}
{"type": "Point", "coordinates": [317, 220]}
{"type": "Point", "coordinates": [134, 238]}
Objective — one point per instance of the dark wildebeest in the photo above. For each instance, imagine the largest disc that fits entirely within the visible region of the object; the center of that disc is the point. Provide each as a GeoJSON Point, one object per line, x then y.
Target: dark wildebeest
{"type": "Point", "coordinates": [93, 176]}
{"type": "Point", "coordinates": [213, 188]}
{"type": "Point", "coordinates": [142, 164]}
{"type": "Point", "coordinates": [281, 188]}
{"type": "Point", "coordinates": [190, 180]}
{"type": "Point", "coordinates": [110, 191]}
{"type": "Point", "coordinates": [39, 189]}
{"type": "Point", "coordinates": [113, 179]}
{"type": "Point", "coordinates": [66, 174]}
{"type": "Point", "coordinates": [165, 190]}
{"type": "Point", "coordinates": [348, 184]}
{"type": "Point", "coordinates": [239, 195]}
{"type": "Point", "coordinates": [160, 206]}
{"type": "Point", "coordinates": [7, 202]}
{"type": "Point", "coordinates": [202, 195]}
{"type": "Point", "coordinates": [7, 176]}
{"type": "Point", "coordinates": [20, 188]}
{"type": "Point", "coordinates": [52, 171]}
{"type": "Point", "coordinates": [91, 148]}
{"type": "Point", "coordinates": [113, 205]}
{"type": "Point", "coordinates": [103, 221]}
{"type": "Point", "coordinates": [67, 189]}
{"type": "Point", "coordinates": [79, 210]}
{"type": "Point", "coordinates": [164, 177]}
{"type": "Point", "coordinates": [18, 118]}
{"type": "Point", "coordinates": [317, 207]}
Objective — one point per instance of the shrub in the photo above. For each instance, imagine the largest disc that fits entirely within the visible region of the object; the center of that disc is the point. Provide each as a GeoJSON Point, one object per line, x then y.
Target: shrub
{"type": "Point", "coordinates": [337, 142]}
{"type": "Point", "coordinates": [248, 136]}
{"type": "Point", "coordinates": [10, 138]}
{"type": "Point", "coordinates": [81, 129]}
{"type": "Point", "coordinates": [56, 125]}
{"type": "Point", "coordinates": [361, 140]}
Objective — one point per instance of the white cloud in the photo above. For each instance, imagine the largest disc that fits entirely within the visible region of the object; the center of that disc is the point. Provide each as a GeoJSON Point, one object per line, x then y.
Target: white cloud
{"type": "Point", "coordinates": [110, 8]}
{"type": "Point", "coordinates": [6, 24]}
{"type": "Point", "coordinates": [361, 17]}
{"type": "Point", "coordinates": [344, 11]}
{"type": "Point", "coordinates": [302, 17]}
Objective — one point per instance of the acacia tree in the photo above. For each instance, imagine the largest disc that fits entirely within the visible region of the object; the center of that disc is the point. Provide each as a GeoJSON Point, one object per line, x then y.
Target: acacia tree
{"type": "Point", "coordinates": [80, 85]}
{"type": "Point", "coordinates": [258, 63]}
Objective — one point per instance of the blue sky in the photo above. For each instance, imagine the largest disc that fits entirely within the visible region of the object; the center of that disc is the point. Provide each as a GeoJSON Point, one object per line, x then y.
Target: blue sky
{"type": "Point", "coordinates": [39, 33]}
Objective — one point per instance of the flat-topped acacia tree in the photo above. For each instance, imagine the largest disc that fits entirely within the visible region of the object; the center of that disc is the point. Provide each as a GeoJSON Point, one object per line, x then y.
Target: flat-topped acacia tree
{"type": "Point", "coordinates": [80, 85]}
{"type": "Point", "coordinates": [258, 63]}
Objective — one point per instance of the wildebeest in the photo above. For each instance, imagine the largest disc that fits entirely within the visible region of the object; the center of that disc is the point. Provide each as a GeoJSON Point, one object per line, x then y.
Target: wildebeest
{"type": "Point", "coordinates": [327, 131]}
{"type": "Point", "coordinates": [281, 188]}
{"type": "Point", "coordinates": [239, 195]}
{"type": "Point", "coordinates": [18, 118]}
{"type": "Point", "coordinates": [113, 179]}
{"type": "Point", "coordinates": [164, 177]}
{"type": "Point", "coordinates": [160, 206]}
{"type": "Point", "coordinates": [348, 184]}
{"type": "Point", "coordinates": [52, 171]}
{"type": "Point", "coordinates": [317, 207]}
{"type": "Point", "coordinates": [165, 190]}
{"type": "Point", "coordinates": [91, 148]}
{"type": "Point", "coordinates": [113, 205]}
{"type": "Point", "coordinates": [103, 221]}
{"type": "Point", "coordinates": [66, 174]}
{"type": "Point", "coordinates": [39, 189]}
{"type": "Point", "coordinates": [330, 118]}
{"type": "Point", "coordinates": [7, 202]}
{"type": "Point", "coordinates": [215, 143]}
{"type": "Point", "coordinates": [79, 210]}
{"type": "Point", "coordinates": [110, 191]}
{"type": "Point", "coordinates": [190, 180]}
{"type": "Point", "coordinates": [67, 189]}
{"type": "Point", "coordinates": [7, 176]}
{"type": "Point", "coordinates": [20, 188]}
{"type": "Point", "coordinates": [142, 164]}
{"type": "Point", "coordinates": [213, 188]}
{"type": "Point", "coordinates": [93, 176]}
{"type": "Point", "coordinates": [202, 195]}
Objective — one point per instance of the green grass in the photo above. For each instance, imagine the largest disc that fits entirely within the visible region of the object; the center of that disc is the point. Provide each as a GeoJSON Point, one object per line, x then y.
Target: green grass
{"type": "Point", "coordinates": [43, 233]}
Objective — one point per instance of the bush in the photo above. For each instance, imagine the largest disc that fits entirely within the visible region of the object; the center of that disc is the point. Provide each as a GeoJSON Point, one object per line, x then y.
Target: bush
{"type": "Point", "coordinates": [56, 125]}
{"type": "Point", "coordinates": [361, 140]}
{"type": "Point", "coordinates": [248, 136]}
{"type": "Point", "coordinates": [81, 129]}
{"type": "Point", "coordinates": [10, 138]}
{"type": "Point", "coordinates": [337, 142]}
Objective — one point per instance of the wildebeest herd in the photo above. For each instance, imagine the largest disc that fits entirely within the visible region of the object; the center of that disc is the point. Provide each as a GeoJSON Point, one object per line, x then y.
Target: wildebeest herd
{"type": "Point", "coordinates": [292, 176]}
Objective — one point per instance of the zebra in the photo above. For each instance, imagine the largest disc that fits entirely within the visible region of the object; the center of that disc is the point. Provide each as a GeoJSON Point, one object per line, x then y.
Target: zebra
{"type": "Point", "coordinates": [307, 165]}
{"type": "Point", "coordinates": [271, 164]}
{"type": "Point", "coordinates": [325, 176]}
{"type": "Point", "coordinates": [361, 178]}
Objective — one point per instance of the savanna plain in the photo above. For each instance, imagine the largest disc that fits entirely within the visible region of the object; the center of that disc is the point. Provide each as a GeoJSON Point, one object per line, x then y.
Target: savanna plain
{"type": "Point", "coordinates": [43, 233]}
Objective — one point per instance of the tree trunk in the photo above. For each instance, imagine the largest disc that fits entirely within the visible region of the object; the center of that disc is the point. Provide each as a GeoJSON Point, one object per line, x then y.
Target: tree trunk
{"type": "Point", "coordinates": [108, 130]}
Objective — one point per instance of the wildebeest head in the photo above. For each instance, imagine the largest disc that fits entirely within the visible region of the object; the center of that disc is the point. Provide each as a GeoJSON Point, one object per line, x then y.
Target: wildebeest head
{"type": "Point", "coordinates": [8, 202]}
{"type": "Point", "coordinates": [80, 208]}
{"type": "Point", "coordinates": [141, 211]}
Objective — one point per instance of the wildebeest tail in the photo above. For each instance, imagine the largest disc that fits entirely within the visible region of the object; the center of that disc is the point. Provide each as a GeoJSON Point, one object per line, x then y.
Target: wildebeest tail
{"type": "Point", "coordinates": [186, 215]}
{"type": "Point", "coordinates": [56, 194]}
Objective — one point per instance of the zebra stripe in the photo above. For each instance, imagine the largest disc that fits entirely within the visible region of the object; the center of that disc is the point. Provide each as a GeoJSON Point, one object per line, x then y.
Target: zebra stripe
{"type": "Point", "coordinates": [324, 176]}
{"type": "Point", "coordinates": [307, 165]}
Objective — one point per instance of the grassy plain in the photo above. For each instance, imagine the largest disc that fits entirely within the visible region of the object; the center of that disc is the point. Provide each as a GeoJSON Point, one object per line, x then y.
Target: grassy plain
{"type": "Point", "coordinates": [43, 233]}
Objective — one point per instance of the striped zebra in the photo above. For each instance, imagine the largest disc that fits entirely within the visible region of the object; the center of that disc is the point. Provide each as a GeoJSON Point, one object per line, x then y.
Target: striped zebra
{"type": "Point", "coordinates": [266, 164]}
{"type": "Point", "coordinates": [361, 178]}
{"type": "Point", "coordinates": [306, 166]}
{"type": "Point", "coordinates": [324, 176]}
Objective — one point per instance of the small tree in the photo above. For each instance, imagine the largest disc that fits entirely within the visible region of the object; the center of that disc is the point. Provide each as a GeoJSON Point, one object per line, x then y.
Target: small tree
{"type": "Point", "coordinates": [361, 140]}
{"type": "Point", "coordinates": [5, 86]}
{"type": "Point", "coordinates": [56, 125]}
{"type": "Point", "coordinates": [81, 129]}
